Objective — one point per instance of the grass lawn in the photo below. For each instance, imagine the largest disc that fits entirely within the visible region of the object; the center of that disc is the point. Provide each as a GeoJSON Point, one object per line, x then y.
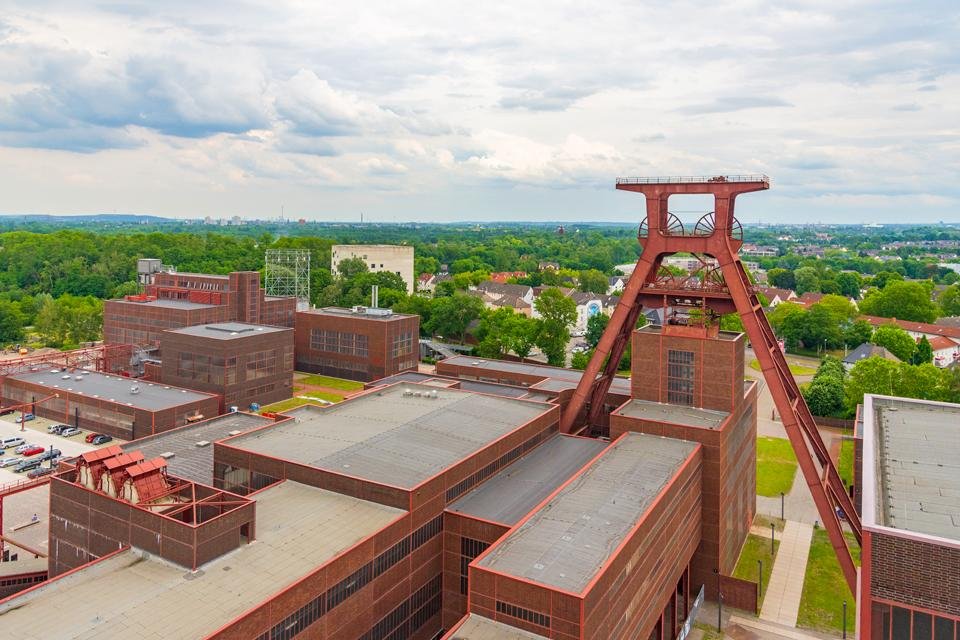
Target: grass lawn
{"type": "Point", "coordinates": [845, 464]}
{"type": "Point", "coordinates": [776, 466]}
{"type": "Point", "coordinates": [761, 520]}
{"type": "Point", "coordinates": [824, 588]}
{"type": "Point", "coordinates": [332, 383]}
{"type": "Point", "coordinates": [754, 549]}
{"type": "Point", "coordinates": [323, 395]}
{"type": "Point", "coordinates": [286, 405]}
{"type": "Point", "coordinates": [795, 369]}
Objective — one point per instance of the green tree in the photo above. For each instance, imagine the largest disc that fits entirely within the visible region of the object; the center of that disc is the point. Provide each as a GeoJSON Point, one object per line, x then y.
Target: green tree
{"type": "Point", "coordinates": [923, 352]}
{"type": "Point", "coordinates": [871, 375]}
{"type": "Point", "coordinates": [11, 322]}
{"type": "Point", "coordinates": [849, 283]}
{"type": "Point", "coordinates": [781, 278]}
{"type": "Point", "coordinates": [350, 268]}
{"type": "Point", "coordinates": [592, 280]}
{"type": "Point", "coordinates": [884, 278]}
{"type": "Point", "coordinates": [581, 359]}
{"type": "Point", "coordinates": [950, 300]}
{"type": "Point", "coordinates": [856, 333]}
{"type": "Point", "coordinates": [839, 307]}
{"type": "Point", "coordinates": [494, 333]}
{"type": "Point", "coordinates": [901, 300]}
{"type": "Point", "coordinates": [557, 314]}
{"type": "Point", "coordinates": [896, 340]}
{"type": "Point", "coordinates": [789, 322]}
{"type": "Point", "coordinates": [453, 314]}
{"type": "Point", "coordinates": [807, 280]}
{"type": "Point", "coordinates": [596, 324]}
{"type": "Point", "coordinates": [825, 396]}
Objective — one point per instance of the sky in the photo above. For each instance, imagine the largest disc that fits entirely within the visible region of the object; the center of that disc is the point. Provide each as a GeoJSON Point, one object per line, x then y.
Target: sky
{"type": "Point", "coordinates": [447, 111]}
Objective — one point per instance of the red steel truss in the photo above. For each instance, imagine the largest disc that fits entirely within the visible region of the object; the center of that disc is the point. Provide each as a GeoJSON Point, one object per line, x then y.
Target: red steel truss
{"type": "Point", "coordinates": [722, 290]}
{"type": "Point", "coordinates": [106, 358]}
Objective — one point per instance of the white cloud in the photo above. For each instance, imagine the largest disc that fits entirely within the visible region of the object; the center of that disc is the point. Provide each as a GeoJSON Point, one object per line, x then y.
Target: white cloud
{"type": "Point", "coordinates": [325, 106]}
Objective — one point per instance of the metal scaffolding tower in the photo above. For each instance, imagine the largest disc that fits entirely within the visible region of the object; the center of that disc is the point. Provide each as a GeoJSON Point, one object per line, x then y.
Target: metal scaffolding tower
{"type": "Point", "coordinates": [288, 274]}
{"type": "Point", "coordinates": [715, 290]}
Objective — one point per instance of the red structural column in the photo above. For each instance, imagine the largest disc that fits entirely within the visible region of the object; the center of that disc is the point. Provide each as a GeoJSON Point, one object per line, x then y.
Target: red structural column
{"type": "Point", "coordinates": [662, 235]}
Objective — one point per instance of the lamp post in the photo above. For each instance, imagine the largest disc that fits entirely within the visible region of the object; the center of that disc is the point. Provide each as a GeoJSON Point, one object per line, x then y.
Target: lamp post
{"type": "Point", "coordinates": [719, 603]}
{"type": "Point", "coordinates": [759, 582]}
{"type": "Point", "coordinates": [781, 506]}
{"type": "Point", "coordinates": [772, 539]}
{"type": "Point", "coordinates": [844, 620]}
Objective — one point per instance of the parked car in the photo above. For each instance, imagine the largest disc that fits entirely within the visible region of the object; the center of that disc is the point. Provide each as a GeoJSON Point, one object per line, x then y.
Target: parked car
{"type": "Point", "coordinates": [40, 472]}
{"type": "Point", "coordinates": [90, 436]}
{"type": "Point", "coordinates": [50, 454]}
{"type": "Point", "coordinates": [23, 447]}
{"type": "Point", "coordinates": [32, 451]}
{"type": "Point", "coordinates": [27, 417]}
{"type": "Point", "coordinates": [69, 432]}
{"type": "Point", "coordinates": [57, 428]}
{"type": "Point", "coordinates": [8, 462]}
{"type": "Point", "coordinates": [11, 441]}
{"type": "Point", "coordinates": [102, 438]}
{"type": "Point", "coordinates": [27, 465]}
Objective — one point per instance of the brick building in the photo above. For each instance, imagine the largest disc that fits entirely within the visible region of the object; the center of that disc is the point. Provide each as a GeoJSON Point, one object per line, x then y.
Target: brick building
{"type": "Point", "coordinates": [910, 569]}
{"type": "Point", "coordinates": [688, 383]}
{"type": "Point", "coordinates": [121, 407]}
{"type": "Point", "coordinates": [362, 343]}
{"type": "Point", "coordinates": [172, 300]}
{"type": "Point", "coordinates": [243, 363]}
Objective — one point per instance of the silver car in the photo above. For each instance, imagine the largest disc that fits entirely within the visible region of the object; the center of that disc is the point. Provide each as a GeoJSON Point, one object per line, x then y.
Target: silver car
{"type": "Point", "coordinates": [8, 462]}
{"type": "Point", "coordinates": [70, 432]}
{"type": "Point", "coordinates": [24, 447]}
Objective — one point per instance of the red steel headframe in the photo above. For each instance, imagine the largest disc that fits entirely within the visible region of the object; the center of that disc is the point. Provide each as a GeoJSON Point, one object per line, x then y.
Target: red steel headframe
{"type": "Point", "coordinates": [716, 235]}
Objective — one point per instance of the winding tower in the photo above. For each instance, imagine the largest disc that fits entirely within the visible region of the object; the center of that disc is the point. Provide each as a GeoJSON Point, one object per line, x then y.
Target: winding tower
{"type": "Point", "coordinates": [698, 300]}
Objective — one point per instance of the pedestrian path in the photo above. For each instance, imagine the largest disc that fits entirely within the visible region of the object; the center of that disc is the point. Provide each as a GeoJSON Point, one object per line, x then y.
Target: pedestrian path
{"type": "Point", "coordinates": [782, 600]}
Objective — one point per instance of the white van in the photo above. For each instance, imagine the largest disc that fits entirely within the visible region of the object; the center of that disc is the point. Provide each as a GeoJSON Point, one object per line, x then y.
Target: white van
{"type": "Point", "coordinates": [12, 441]}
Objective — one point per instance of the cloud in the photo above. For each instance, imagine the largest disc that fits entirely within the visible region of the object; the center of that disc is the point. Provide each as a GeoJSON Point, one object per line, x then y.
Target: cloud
{"type": "Point", "coordinates": [324, 106]}
{"type": "Point", "coordinates": [734, 103]}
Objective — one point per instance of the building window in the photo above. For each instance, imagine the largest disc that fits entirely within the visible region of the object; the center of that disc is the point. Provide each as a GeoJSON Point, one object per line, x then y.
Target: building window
{"type": "Point", "coordinates": [402, 344]}
{"type": "Point", "coordinates": [680, 367]}
{"type": "Point", "coordinates": [345, 342]}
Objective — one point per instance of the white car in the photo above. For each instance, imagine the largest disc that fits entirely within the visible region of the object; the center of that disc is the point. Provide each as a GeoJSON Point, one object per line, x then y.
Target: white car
{"type": "Point", "coordinates": [24, 447]}
{"type": "Point", "coordinates": [69, 432]}
{"type": "Point", "coordinates": [8, 462]}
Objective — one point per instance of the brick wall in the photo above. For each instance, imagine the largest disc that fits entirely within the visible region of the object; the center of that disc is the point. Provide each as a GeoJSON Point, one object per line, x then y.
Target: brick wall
{"type": "Point", "coordinates": [915, 573]}
{"type": "Point", "coordinates": [464, 538]}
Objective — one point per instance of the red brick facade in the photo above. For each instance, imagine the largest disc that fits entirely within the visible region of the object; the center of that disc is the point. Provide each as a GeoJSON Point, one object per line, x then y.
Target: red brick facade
{"type": "Point", "coordinates": [358, 346]}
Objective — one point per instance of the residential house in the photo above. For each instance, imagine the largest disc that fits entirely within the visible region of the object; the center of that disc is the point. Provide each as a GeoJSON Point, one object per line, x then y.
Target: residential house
{"type": "Point", "coordinates": [775, 295]}
{"type": "Point", "coordinates": [503, 276]}
{"type": "Point", "coordinates": [616, 284]}
{"type": "Point", "coordinates": [945, 350]}
{"type": "Point", "coordinates": [867, 350]}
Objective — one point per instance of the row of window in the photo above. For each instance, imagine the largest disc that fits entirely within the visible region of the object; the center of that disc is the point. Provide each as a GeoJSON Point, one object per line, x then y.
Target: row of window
{"type": "Point", "coordinates": [402, 344]}
{"type": "Point", "coordinates": [345, 342]}
{"type": "Point", "coordinates": [520, 613]}
{"type": "Point", "coordinates": [24, 580]}
{"type": "Point", "coordinates": [399, 624]}
{"type": "Point", "coordinates": [680, 374]}
{"type": "Point", "coordinates": [306, 615]}
{"type": "Point", "coordinates": [469, 550]}
{"type": "Point", "coordinates": [471, 481]}
{"type": "Point", "coordinates": [896, 623]}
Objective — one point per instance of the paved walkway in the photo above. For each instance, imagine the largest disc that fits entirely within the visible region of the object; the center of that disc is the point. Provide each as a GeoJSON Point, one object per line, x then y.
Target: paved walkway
{"type": "Point", "coordinates": [782, 600]}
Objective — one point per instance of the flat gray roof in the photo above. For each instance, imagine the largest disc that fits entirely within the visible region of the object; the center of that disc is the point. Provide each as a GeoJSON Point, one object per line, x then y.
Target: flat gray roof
{"type": "Point", "coordinates": [722, 335]}
{"type": "Point", "coordinates": [151, 396]}
{"type": "Point", "coordinates": [567, 541]}
{"type": "Point", "coordinates": [479, 628]}
{"type": "Point", "coordinates": [676, 414]}
{"type": "Point", "coordinates": [513, 492]}
{"type": "Point", "coordinates": [228, 330]}
{"type": "Point", "coordinates": [369, 313]}
{"type": "Point", "coordinates": [915, 483]}
{"type": "Point", "coordinates": [391, 435]}
{"type": "Point", "coordinates": [129, 596]}
{"type": "Point", "coordinates": [560, 378]}
{"type": "Point", "coordinates": [190, 461]}
{"type": "Point", "coordinates": [169, 304]}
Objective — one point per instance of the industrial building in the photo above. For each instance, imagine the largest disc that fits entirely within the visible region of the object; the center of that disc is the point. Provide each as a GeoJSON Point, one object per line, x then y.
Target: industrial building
{"type": "Point", "coordinates": [243, 363]}
{"type": "Point", "coordinates": [119, 406]}
{"type": "Point", "coordinates": [172, 300]}
{"type": "Point", "coordinates": [362, 343]}
{"type": "Point", "coordinates": [910, 571]}
{"type": "Point", "coordinates": [390, 258]}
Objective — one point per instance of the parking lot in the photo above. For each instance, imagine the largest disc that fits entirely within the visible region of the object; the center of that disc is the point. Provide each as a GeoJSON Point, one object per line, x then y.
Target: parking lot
{"type": "Point", "coordinates": [35, 432]}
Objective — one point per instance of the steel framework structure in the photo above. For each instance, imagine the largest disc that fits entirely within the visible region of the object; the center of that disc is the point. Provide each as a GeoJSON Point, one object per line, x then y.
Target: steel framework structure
{"type": "Point", "coordinates": [723, 290]}
{"type": "Point", "coordinates": [287, 273]}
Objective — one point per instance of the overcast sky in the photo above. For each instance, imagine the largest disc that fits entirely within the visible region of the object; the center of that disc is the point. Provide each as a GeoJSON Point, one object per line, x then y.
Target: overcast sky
{"type": "Point", "coordinates": [438, 111]}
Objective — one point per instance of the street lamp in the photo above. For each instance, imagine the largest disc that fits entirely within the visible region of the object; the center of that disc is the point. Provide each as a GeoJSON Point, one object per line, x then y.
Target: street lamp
{"type": "Point", "coordinates": [719, 603]}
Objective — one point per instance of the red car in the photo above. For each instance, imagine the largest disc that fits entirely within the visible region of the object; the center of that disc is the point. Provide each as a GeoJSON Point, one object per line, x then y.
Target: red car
{"type": "Point", "coordinates": [90, 436]}
{"type": "Point", "coordinates": [32, 451]}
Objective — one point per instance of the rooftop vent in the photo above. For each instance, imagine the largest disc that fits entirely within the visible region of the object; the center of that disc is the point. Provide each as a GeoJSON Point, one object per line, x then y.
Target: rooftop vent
{"type": "Point", "coordinates": [65, 377]}
{"type": "Point", "coordinates": [235, 432]}
{"type": "Point", "coordinates": [135, 389]}
{"type": "Point", "coordinates": [167, 454]}
{"type": "Point", "coordinates": [78, 377]}
{"type": "Point", "coordinates": [203, 443]}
